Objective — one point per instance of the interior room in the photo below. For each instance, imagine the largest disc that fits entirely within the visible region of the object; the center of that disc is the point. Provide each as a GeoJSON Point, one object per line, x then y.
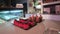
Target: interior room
{"type": "Point", "coordinates": [29, 16]}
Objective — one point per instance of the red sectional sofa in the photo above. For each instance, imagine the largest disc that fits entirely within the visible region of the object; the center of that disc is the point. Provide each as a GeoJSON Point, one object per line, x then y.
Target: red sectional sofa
{"type": "Point", "coordinates": [24, 24]}
{"type": "Point", "coordinates": [28, 23]}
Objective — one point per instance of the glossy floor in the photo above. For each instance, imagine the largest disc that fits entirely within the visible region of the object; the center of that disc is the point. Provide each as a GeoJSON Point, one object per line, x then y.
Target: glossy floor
{"type": "Point", "coordinates": [8, 28]}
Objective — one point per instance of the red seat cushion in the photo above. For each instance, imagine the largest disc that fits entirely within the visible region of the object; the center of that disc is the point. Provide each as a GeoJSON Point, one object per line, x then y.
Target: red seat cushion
{"type": "Point", "coordinates": [31, 23]}
{"type": "Point", "coordinates": [20, 25]}
{"type": "Point", "coordinates": [26, 26]}
{"type": "Point", "coordinates": [16, 22]}
{"type": "Point", "coordinates": [21, 20]}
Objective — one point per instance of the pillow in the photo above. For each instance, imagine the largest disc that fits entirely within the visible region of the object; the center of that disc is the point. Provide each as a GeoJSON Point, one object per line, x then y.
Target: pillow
{"type": "Point", "coordinates": [38, 18]}
{"type": "Point", "coordinates": [32, 18]}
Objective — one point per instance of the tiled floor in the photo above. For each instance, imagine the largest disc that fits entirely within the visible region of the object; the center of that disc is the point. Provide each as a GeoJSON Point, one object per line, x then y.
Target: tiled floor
{"type": "Point", "coordinates": [8, 28]}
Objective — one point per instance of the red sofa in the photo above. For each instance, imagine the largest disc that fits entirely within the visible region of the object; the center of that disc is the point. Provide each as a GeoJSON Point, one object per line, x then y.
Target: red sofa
{"type": "Point", "coordinates": [28, 23]}
{"type": "Point", "coordinates": [25, 24]}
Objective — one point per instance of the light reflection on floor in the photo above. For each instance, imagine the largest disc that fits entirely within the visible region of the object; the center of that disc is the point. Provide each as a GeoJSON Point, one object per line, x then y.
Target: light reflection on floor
{"type": "Point", "coordinates": [2, 21]}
